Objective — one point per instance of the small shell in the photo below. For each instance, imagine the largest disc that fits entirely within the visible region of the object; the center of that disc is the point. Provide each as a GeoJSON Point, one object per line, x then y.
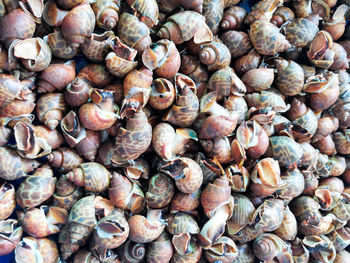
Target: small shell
{"type": "Point", "coordinates": [144, 230]}
{"type": "Point", "coordinates": [7, 200]}
{"type": "Point", "coordinates": [187, 174]}
{"type": "Point", "coordinates": [160, 191]}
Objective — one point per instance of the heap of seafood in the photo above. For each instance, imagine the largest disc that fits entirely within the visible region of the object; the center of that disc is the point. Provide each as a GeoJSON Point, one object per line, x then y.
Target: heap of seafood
{"type": "Point", "coordinates": [174, 131]}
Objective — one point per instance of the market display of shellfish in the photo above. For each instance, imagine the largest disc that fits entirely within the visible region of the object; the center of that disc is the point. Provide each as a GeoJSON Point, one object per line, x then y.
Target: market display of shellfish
{"type": "Point", "coordinates": [177, 131]}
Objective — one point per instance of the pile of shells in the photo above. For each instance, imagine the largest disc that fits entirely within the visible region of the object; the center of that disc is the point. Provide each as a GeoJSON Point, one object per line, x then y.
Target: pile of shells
{"type": "Point", "coordinates": [174, 131]}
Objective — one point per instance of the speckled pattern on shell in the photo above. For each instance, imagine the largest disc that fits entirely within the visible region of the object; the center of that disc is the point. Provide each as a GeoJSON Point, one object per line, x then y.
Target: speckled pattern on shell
{"type": "Point", "coordinates": [285, 150]}
{"type": "Point", "coordinates": [96, 176]}
{"type": "Point", "coordinates": [300, 32]}
{"type": "Point", "coordinates": [160, 192]}
{"type": "Point", "coordinates": [83, 16]}
{"type": "Point", "coordinates": [49, 103]}
{"type": "Point", "coordinates": [10, 165]}
{"type": "Point", "coordinates": [83, 212]}
{"type": "Point", "coordinates": [34, 190]}
{"type": "Point", "coordinates": [182, 223]}
{"type": "Point", "coordinates": [147, 8]}
{"type": "Point", "coordinates": [102, 6]}
{"type": "Point", "coordinates": [131, 30]}
{"type": "Point", "coordinates": [135, 138]}
{"type": "Point", "coordinates": [290, 77]}
{"type": "Point", "coordinates": [60, 47]}
{"type": "Point", "coordinates": [185, 109]}
{"type": "Point", "coordinates": [308, 121]}
{"type": "Point", "coordinates": [213, 11]}
{"type": "Point", "coordinates": [237, 42]}
{"type": "Point", "coordinates": [188, 23]}
{"type": "Point", "coordinates": [271, 214]}
{"type": "Point", "coordinates": [266, 38]}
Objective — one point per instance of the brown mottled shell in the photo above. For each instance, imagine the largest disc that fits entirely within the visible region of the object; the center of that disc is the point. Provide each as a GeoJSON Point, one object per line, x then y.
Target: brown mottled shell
{"type": "Point", "coordinates": [82, 219]}
{"type": "Point", "coordinates": [290, 77]}
{"type": "Point", "coordinates": [285, 150]}
{"type": "Point", "coordinates": [269, 246]}
{"type": "Point", "coordinates": [243, 211]}
{"type": "Point", "coordinates": [66, 194]}
{"type": "Point", "coordinates": [160, 191]}
{"type": "Point", "coordinates": [193, 256]}
{"type": "Point", "coordinates": [162, 57]}
{"type": "Point", "coordinates": [185, 110]}
{"type": "Point", "coordinates": [145, 230]}
{"type": "Point", "coordinates": [160, 250]}
{"type": "Point", "coordinates": [223, 249]}
{"type": "Point", "coordinates": [180, 223]}
{"type": "Point", "coordinates": [30, 249]}
{"type": "Point", "coordinates": [215, 55]}
{"type": "Point", "coordinates": [282, 15]}
{"type": "Point", "coordinates": [288, 229]}
{"type": "Point", "coordinates": [269, 215]}
{"type": "Point", "coordinates": [134, 139]}
{"type": "Point", "coordinates": [237, 42]}
{"type": "Point", "coordinates": [119, 66]}
{"type": "Point", "coordinates": [43, 221]}
{"type": "Point", "coordinates": [215, 195]}
{"type": "Point", "coordinates": [258, 79]}
{"type": "Point", "coordinates": [294, 185]}
{"type": "Point", "coordinates": [233, 18]}
{"type": "Point", "coordinates": [110, 232]}
{"type": "Point", "coordinates": [96, 74]}
{"type": "Point", "coordinates": [34, 53]}
{"type": "Point", "coordinates": [148, 10]}
{"type": "Point", "coordinates": [213, 11]}
{"type": "Point", "coordinates": [95, 47]}
{"type": "Point", "coordinates": [11, 89]}
{"type": "Point", "coordinates": [12, 166]}
{"type": "Point", "coordinates": [50, 108]}
{"type": "Point", "coordinates": [162, 95]}
{"type": "Point", "coordinates": [16, 25]}
{"type": "Point", "coordinates": [185, 202]}
{"type": "Point", "coordinates": [133, 32]}
{"type": "Point", "coordinates": [226, 82]}
{"type": "Point", "coordinates": [60, 47]}
{"type": "Point", "coordinates": [7, 201]}
{"type": "Point", "coordinates": [65, 159]}
{"type": "Point", "coordinates": [187, 174]}
{"type": "Point", "coordinates": [266, 38]}
{"type": "Point", "coordinates": [37, 188]}
{"type": "Point", "coordinates": [78, 24]}
{"type": "Point", "coordinates": [57, 76]}
{"type": "Point", "coordinates": [185, 25]}
{"type": "Point", "coordinates": [126, 194]}
{"type": "Point", "coordinates": [106, 12]}
{"type": "Point", "coordinates": [249, 61]}
{"type": "Point", "coordinates": [300, 32]}
{"type": "Point", "coordinates": [342, 142]}
{"type": "Point", "coordinates": [219, 148]}
{"type": "Point", "coordinates": [94, 177]}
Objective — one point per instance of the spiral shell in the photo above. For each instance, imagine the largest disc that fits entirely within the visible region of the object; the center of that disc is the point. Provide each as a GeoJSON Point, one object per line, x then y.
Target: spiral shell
{"type": "Point", "coordinates": [125, 147]}
{"type": "Point", "coordinates": [144, 230]}
{"type": "Point", "coordinates": [129, 196]}
{"type": "Point", "coordinates": [10, 235]}
{"type": "Point", "coordinates": [187, 174]}
{"type": "Point", "coordinates": [83, 16]}
{"type": "Point", "coordinates": [183, 26]}
{"type": "Point", "coordinates": [43, 221]}
{"type": "Point", "coordinates": [215, 55]}
{"type": "Point", "coordinates": [160, 191]}
{"type": "Point", "coordinates": [266, 38]}
{"type": "Point", "coordinates": [160, 250]}
{"type": "Point", "coordinates": [110, 232]}
{"type": "Point", "coordinates": [7, 200]}
{"type": "Point", "coordinates": [94, 177]}
{"type": "Point", "coordinates": [37, 188]}
{"type": "Point", "coordinates": [185, 110]}
{"type": "Point", "coordinates": [133, 32]}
